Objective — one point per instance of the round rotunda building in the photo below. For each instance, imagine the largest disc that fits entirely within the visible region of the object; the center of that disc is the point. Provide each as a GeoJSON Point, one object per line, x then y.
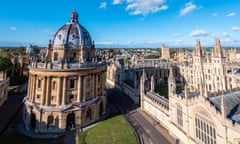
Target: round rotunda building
{"type": "Point", "coordinates": [66, 88]}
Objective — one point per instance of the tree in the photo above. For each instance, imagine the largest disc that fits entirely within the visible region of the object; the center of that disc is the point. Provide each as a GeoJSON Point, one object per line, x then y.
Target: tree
{"type": "Point", "coordinates": [5, 63]}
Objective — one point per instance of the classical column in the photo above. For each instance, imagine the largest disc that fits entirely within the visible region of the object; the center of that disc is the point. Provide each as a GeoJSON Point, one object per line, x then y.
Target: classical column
{"type": "Point", "coordinates": [34, 88]}
{"type": "Point", "coordinates": [93, 85]}
{"type": "Point", "coordinates": [43, 87]}
{"type": "Point", "coordinates": [58, 102]}
{"type": "Point", "coordinates": [64, 92]}
{"type": "Point", "coordinates": [102, 81]}
{"type": "Point", "coordinates": [48, 85]}
{"type": "Point", "coordinates": [84, 88]}
{"type": "Point", "coordinates": [29, 87]}
{"type": "Point", "coordinates": [79, 95]}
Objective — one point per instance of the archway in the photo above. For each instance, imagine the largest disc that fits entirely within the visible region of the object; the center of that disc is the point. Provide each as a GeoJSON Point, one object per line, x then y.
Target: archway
{"type": "Point", "coordinates": [89, 114]}
{"type": "Point", "coordinates": [70, 121]}
{"type": "Point", "coordinates": [50, 121]}
{"type": "Point", "coordinates": [32, 121]}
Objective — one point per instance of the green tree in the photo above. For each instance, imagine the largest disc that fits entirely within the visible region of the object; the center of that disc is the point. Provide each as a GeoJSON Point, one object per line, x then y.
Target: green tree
{"type": "Point", "coordinates": [5, 63]}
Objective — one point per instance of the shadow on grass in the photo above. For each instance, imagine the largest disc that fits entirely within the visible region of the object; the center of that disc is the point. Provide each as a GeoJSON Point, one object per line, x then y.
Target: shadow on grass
{"type": "Point", "coordinates": [17, 138]}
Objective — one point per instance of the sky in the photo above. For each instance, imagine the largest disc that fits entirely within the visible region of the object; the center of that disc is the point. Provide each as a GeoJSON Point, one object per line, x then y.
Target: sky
{"type": "Point", "coordinates": [124, 23]}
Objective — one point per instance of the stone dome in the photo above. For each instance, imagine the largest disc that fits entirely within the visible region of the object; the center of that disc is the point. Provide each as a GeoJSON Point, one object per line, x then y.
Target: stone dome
{"type": "Point", "coordinates": [72, 34]}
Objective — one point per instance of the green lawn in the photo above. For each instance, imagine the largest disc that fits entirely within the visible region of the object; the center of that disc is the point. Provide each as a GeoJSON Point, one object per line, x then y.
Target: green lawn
{"type": "Point", "coordinates": [18, 138]}
{"type": "Point", "coordinates": [114, 130]}
{"type": "Point", "coordinates": [162, 90]}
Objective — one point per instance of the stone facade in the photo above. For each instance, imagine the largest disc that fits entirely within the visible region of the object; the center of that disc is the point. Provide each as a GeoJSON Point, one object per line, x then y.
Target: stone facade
{"type": "Point", "coordinates": [127, 77]}
{"type": "Point", "coordinates": [206, 110]}
{"type": "Point", "coordinates": [4, 82]}
{"type": "Point", "coordinates": [66, 89]}
{"type": "Point", "coordinates": [165, 52]}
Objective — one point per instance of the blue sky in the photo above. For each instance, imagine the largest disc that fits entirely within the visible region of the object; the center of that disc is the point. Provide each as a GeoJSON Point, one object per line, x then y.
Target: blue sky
{"type": "Point", "coordinates": [124, 23]}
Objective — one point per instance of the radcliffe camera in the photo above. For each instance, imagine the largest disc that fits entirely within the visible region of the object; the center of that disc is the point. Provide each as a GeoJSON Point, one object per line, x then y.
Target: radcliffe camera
{"type": "Point", "coordinates": [120, 72]}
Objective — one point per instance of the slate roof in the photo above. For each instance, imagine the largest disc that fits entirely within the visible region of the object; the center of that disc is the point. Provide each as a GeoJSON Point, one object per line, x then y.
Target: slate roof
{"type": "Point", "coordinates": [231, 102]}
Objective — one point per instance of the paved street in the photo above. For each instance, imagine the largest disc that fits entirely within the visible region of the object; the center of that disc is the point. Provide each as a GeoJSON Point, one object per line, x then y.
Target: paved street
{"type": "Point", "coordinates": [9, 110]}
{"type": "Point", "coordinates": [147, 133]}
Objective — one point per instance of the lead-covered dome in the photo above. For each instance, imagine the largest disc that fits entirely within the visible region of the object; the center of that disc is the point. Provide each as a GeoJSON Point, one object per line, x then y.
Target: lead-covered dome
{"type": "Point", "coordinates": [72, 34]}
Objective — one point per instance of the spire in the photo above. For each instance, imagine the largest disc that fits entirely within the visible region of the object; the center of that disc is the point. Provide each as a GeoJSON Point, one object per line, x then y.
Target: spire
{"type": "Point", "coordinates": [152, 84]}
{"type": "Point", "coordinates": [74, 16]}
{"type": "Point", "coordinates": [198, 49]}
{"type": "Point", "coordinates": [217, 48]}
{"type": "Point", "coordinates": [171, 83]}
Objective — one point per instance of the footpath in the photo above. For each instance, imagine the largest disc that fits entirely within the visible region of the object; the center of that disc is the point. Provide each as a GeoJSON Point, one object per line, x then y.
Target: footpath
{"type": "Point", "coordinates": [160, 128]}
{"type": "Point", "coordinates": [9, 109]}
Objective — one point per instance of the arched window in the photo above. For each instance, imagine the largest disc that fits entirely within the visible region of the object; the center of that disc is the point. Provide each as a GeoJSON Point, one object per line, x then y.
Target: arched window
{"type": "Point", "coordinates": [53, 85]}
{"type": "Point", "coordinates": [50, 121]}
{"type": "Point", "coordinates": [89, 114]}
{"type": "Point", "coordinates": [205, 131]}
{"type": "Point", "coordinates": [55, 56]}
{"type": "Point", "coordinates": [179, 116]}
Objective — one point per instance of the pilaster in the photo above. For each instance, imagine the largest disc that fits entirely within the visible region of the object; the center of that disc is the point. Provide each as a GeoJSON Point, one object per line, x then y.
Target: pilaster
{"type": "Point", "coordinates": [64, 91]}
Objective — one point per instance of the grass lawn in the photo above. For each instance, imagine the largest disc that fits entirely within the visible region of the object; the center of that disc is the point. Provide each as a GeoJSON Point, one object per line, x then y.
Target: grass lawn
{"type": "Point", "coordinates": [18, 138]}
{"type": "Point", "coordinates": [114, 130]}
{"type": "Point", "coordinates": [162, 90]}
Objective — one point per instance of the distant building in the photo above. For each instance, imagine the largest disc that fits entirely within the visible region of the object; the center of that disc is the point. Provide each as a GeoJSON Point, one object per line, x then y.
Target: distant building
{"type": "Point", "coordinates": [4, 82]}
{"type": "Point", "coordinates": [165, 52]}
{"type": "Point", "coordinates": [66, 88]}
{"type": "Point", "coordinates": [29, 50]}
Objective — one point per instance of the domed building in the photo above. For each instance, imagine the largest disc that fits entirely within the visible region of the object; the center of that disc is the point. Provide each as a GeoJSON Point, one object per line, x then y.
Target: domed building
{"type": "Point", "coordinates": [66, 88]}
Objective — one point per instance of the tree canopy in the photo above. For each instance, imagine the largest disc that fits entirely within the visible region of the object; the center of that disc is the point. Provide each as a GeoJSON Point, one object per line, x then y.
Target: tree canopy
{"type": "Point", "coordinates": [5, 63]}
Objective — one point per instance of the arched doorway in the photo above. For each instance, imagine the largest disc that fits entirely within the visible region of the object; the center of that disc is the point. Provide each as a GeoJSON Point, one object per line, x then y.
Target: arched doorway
{"type": "Point", "coordinates": [50, 121]}
{"type": "Point", "coordinates": [32, 121]}
{"type": "Point", "coordinates": [101, 109]}
{"type": "Point", "coordinates": [89, 114]}
{"type": "Point", "coordinates": [70, 121]}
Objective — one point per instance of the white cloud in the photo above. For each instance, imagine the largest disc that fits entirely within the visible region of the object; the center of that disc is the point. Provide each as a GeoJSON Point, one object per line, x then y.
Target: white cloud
{"type": "Point", "coordinates": [176, 35]}
{"type": "Point", "coordinates": [231, 14]}
{"type": "Point", "coordinates": [49, 32]}
{"type": "Point", "coordinates": [214, 14]}
{"type": "Point", "coordinates": [235, 28]}
{"type": "Point", "coordinates": [144, 7]}
{"type": "Point", "coordinates": [187, 9]}
{"type": "Point", "coordinates": [198, 33]}
{"type": "Point", "coordinates": [226, 35]}
{"type": "Point", "coordinates": [13, 28]}
{"type": "Point", "coordinates": [214, 36]}
{"type": "Point", "coordinates": [116, 2]}
{"type": "Point", "coordinates": [104, 43]}
{"type": "Point", "coordinates": [103, 5]}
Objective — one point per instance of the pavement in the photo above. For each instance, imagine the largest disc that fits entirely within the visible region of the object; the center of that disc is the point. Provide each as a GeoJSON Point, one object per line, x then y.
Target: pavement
{"type": "Point", "coordinates": [143, 124]}
{"type": "Point", "coordinates": [9, 110]}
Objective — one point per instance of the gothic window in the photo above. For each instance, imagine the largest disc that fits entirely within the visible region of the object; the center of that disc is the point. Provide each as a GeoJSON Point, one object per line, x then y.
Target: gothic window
{"type": "Point", "coordinates": [39, 83]}
{"type": "Point", "coordinates": [179, 116]}
{"type": "Point", "coordinates": [38, 96]}
{"type": "Point", "coordinates": [204, 129]}
{"type": "Point", "coordinates": [50, 121]}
